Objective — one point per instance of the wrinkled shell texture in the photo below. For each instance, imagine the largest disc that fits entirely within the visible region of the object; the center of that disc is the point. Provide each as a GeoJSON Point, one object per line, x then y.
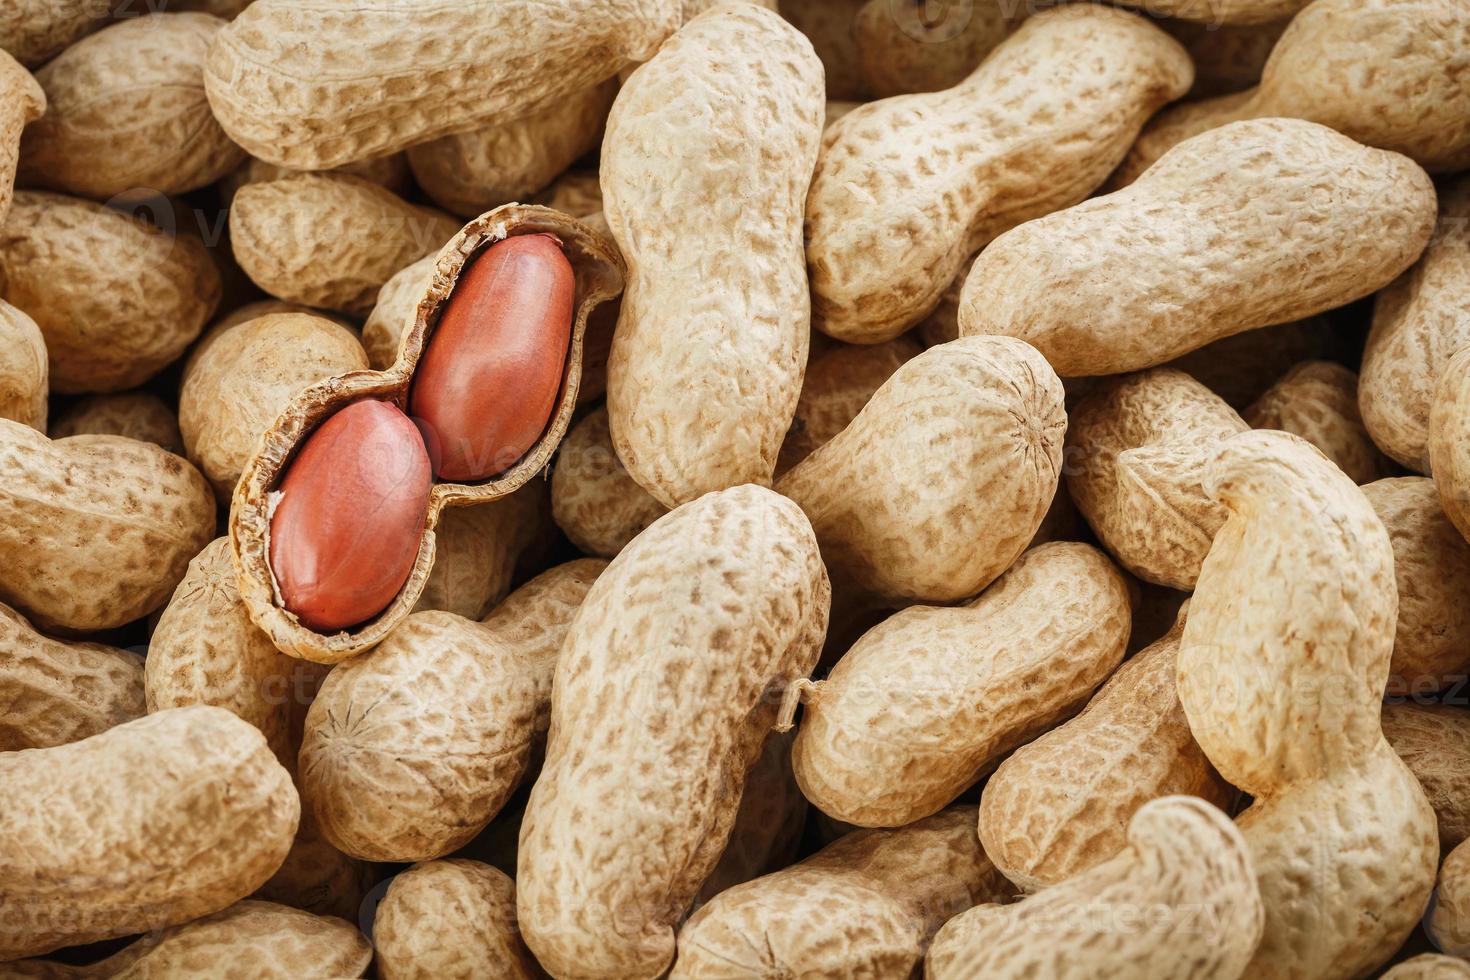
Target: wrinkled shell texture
{"type": "Point", "coordinates": [95, 531]}
{"type": "Point", "coordinates": [282, 87]}
{"type": "Point", "coordinates": [1278, 219]}
{"type": "Point", "coordinates": [1137, 447]}
{"type": "Point", "coordinates": [116, 298]}
{"type": "Point", "coordinates": [329, 240]}
{"type": "Point", "coordinates": [908, 187]}
{"type": "Point", "coordinates": [34, 30]}
{"type": "Point", "coordinates": [23, 385]}
{"type": "Point", "coordinates": [901, 49]}
{"type": "Point", "coordinates": [1318, 400]}
{"type": "Point", "coordinates": [768, 827]}
{"type": "Point", "coordinates": [139, 415]}
{"type": "Point", "coordinates": [593, 499]}
{"type": "Point", "coordinates": [451, 920]}
{"type": "Point", "coordinates": [1389, 73]}
{"type": "Point", "coordinates": [477, 549]}
{"type": "Point", "coordinates": [1434, 742]}
{"type": "Point", "coordinates": [1282, 689]}
{"type": "Point", "coordinates": [1062, 804]}
{"type": "Point", "coordinates": [234, 390]}
{"type": "Point", "coordinates": [864, 906]}
{"type": "Point", "coordinates": [1242, 367]}
{"type": "Point", "coordinates": [1429, 966]}
{"type": "Point", "coordinates": [394, 310]}
{"type": "Point", "coordinates": [716, 604]}
{"type": "Point", "coordinates": [1448, 923]}
{"type": "Point", "coordinates": [132, 800]}
{"type": "Point", "coordinates": [711, 343]}
{"type": "Point", "coordinates": [126, 111]}
{"type": "Point", "coordinates": [943, 477]}
{"type": "Point", "coordinates": [1184, 862]}
{"type": "Point", "coordinates": [1431, 645]}
{"type": "Point", "coordinates": [931, 698]}
{"type": "Point", "coordinates": [1419, 322]}
{"type": "Point", "coordinates": [1449, 441]}
{"type": "Point", "coordinates": [55, 693]}
{"type": "Point", "coordinates": [1216, 13]}
{"type": "Point", "coordinates": [22, 100]}
{"type": "Point", "coordinates": [828, 24]}
{"type": "Point", "coordinates": [390, 170]}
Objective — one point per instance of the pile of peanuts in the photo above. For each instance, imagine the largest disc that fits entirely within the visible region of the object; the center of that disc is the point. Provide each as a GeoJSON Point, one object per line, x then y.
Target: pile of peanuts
{"type": "Point", "coordinates": [616, 489]}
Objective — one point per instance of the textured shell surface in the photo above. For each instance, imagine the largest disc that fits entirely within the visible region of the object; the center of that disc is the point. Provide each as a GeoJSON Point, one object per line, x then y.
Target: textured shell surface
{"type": "Point", "coordinates": [477, 550]}
{"type": "Point", "coordinates": [1215, 14]}
{"type": "Point", "coordinates": [1434, 742]}
{"type": "Point", "coordinates": [23, 371]}
{"type": "Point", "coordinates": [1449, 441]}
{"type": "Point", "coordinates": [901, 50]}
{"type": "Point", "coordinates": [593, 499]}
{"type": "Point", "coordinates": [1448, 922]}
{"type": "Point", "coordinates": [22, 101]}
{"type": "Point", "coordinates": [394, 310]}
{"type": "Point", "coordinates": [1318, 400]}
{"type": "Point", "coordinates": [139, 415]}
{"type": "Point", "coordinates": [1429, 966]}
{"type": "Point", "coordinates": [34, 30]}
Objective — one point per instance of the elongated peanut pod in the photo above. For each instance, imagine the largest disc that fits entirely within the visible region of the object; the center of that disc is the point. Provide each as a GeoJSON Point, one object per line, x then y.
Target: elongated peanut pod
{"type": "Point", "coordinates": [346, 527]}
{"type": "Point", "coordinates": [488, 383]}
{"type": "Point", "coordinates": [21, 101]}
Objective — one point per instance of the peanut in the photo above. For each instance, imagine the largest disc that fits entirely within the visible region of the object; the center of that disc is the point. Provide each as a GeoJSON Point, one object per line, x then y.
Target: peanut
{"type": "Point", "coordinates": [1282, 687]}
{"type": "Point", "coordinates": [139, 415]}
{"type": "Point", "coordinates": [390, 171]}
{"type": "Point", "coordinates": [299, 84]}
{"type": "Point", "coordinates": [1448, 921]}
{"type": "Point", "coordinates": [1449, 441]}
{"type": "Point", "coordinates": [23, 385]}
{"type": "Point", "coordinates": [1185, 863]}
{"type": "Point", "coordinates": [1217, 13]}
{"type": "Point", "coordinates": [1429, 966]}
{"type": "Point", "coordinates": [749, 612]}
{"type": "Point", "coordinates": [902, 49]}
{"type": "Point", "coordinates": [394, 311]}
{"type": "Point", "coordinates": [34, 30]}
{"type": "Point", "coordinates": [1233, 205]}
{"type": "Point", "coordinates": [576, 192]}
{"type": "Point", "coordinates": [767, 830]}
{"type": "Point", "coordinates": [745, 89]}
{"type": "Point", "coordinates": [1241, 367]}
{"type": "Point", "coordinates": [22, 100]}
{"type": "Point", "coordinates": [1434, 742]}
{"type": "Point", "coordinates": [1318, 400]}
{"type": "Point", "coordinates": [908, 187]}
{"type": "Point", "coordinates": [829, 26]}
{"type": "Point", "coordinates": [451, 919]}
{"type": "Point", "coordinates": [133, 798]}
{"type": "Point", "coordinates": [477, 550]}
{"type": "Point", "coordinates": [928, 701]}
{"type": "Point", "coordinates": [115, 297]}
{"type": "Point", "coordinates": [593, 499]}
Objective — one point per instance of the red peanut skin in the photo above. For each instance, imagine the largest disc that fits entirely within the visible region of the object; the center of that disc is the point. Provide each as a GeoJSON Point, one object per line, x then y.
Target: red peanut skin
{"type": "Point", "coordinates": [345, 533]}
{"type": "Point", "coordinates": [488, 383]}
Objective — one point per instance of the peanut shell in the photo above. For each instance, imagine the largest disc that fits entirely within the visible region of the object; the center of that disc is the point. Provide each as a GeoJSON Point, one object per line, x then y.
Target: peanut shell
{"type": "Point", "coordinates": [138, 414]}
{"type": "Point", "coordinates": [1318, 400]}
{"type": "Point", "coordinates": [22, 101]}
{"type": "Point", "coordinates": [478, 549]}
{"type": "Point", "coordinates": [23, 384]}
{"type": "Point", "coordinates": [593, 499]}
{"type": "Point", "coordinates": [1448, 921]}
{"type": "Point", "coordinates": [1434, 742]}
{"type": "Point", "coordinates": [1449, 441]}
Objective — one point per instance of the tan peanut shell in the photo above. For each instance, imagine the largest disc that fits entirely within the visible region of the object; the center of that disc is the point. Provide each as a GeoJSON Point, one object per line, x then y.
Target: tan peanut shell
{"type": "Point", "coordinates": [1137, 447]}
{"type": "Point", "coordinates": [235, 388]}
{"type": "Point", "coordinates": [23, 384]}
{"type": "Point", "coordinates": [394, 310]}
{"type": "Point", "coordinates": [1419, 322]}
{"type": "Point", "coordinates": [301, 82]}
{"type": "Point", "coordinates": [1434, 742]}
{"type": "Point", "coordinates": [717, 605]}
{"type": "Point", "coordinates": [943, 477]}
{"type": "Point", "coordinates": [1227, 57]}
{"type": "Point", "coordinates": [1318, 400]}
{"type": "Point", "coordinates": [126, 111]}
{"type": "Point", "coordinates": [34, 30]}
{"type": "Point", "coordinates": [95, 531]}
{"type": "Point", "coordinates": [467, 173]}
{"type": "Point", "coordinates": [1386, 73]}
{"type": "Point", "coordinates": [907, 188]}
{"type": "Point", "coordinates": [329, 240]}
{"type": "Point", "coordinates": [1062, 804]}
{"type": "Point", "coordinates": [1448, 921]}
{"type": "Point", "coordinates": [576, 192]}
{"type": "Point", "coordinates": [249, 939]}
{"type": "Point", "coordinates": [829, 25]}
{"type": "Point", "coordinates": [1281, 671]}
{"type": "Point", "coordinates": [903, 48]}
{"type": "Point", "coordinates": [53, 692]}
{"type": "Point", "coordinates": [706, 365]}
{"type": "Point", "coordinates": [598, 274]}
{"type": "Point", "coordinates": [478, 549]}
{"type": "Point", "coordinates": [1449, 441]}
{"type": "Point", "coordinates": [864, 906]}
{"type": "Point", "coordinates": [139, 415]}
{"type": "Point", "coordinates": [929, 700]}
{"type": "Point", "coordinates": [1241, 367]}
{"type": "Point", "coordinates": [1429, 966]}
{"type": "Point", "coordinates": [1185, 871]}
{"type": "Point", "coordinates": [316, 877]}
{"type": "Point", "coordinates": [22, 101]}
{"type": "Point", "coordinates": [451, 920]}
{"type": "Point", "coordinates": [1220, 13]}
{"type": "Point", "coordinates": [1431, 644]}
{"type": "Point", "coordinates": [187, 810]}
{"type": "Point", "coordinates": [1096, 288]}
{"type": "Point", "coordinates": [390, 171]}
{"type": "Point", "coordinates": [768, 826]}
{"type": "Point", "coordinates": [593, 499]}
{"type": "Point", "coordinates": [115, 297]}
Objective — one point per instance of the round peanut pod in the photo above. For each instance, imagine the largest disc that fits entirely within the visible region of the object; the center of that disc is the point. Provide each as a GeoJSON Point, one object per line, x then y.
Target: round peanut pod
{"type": "Point", "coordinates": [115, 297]}
{"type": "Point", "coordinates": [943, 477]}
{"type": "Point", "coordinates": [1137, 447]}
{"type": "Point", "coordinates": [1241, 367]}
{"type": "Point", "coordinates": [829, 25]}
{"type": "Point", "coordinates": [450, 919]}
{"type": "Point", "coordinates": [394, 311]}
{"type": "Point", "coordinates": [745, 90]}
{"type": "Point", "coordinates": [768, 826]}
{"type": "Point", "coordinates": [903, 48]}
{"type": "Point", "coordinates": [95, 531]}
{"type": "Point", "coordinates": [593, 499]}
{"type": "Point", "coordinates": [55, 693]}
{"type": "Point", "coordinates": [1428, 966]}
{"type": "Point", "coordinates": [300, 83]}
{"type": "Point", "coordinates": [22, 101]}
{"type": "Point", "coordinates": [1386, 73]}
{"type": "Point", "coordinates": [467, 173]}
{"type": "Point", "coordinates": [1449, 441]}
{"type": "Point", "coordinates": [126, 110]}
{"type": "Point", "coordinates": [23, 384]}
{"type": "Point", "coordinates": [274, 940]}
{"type": "Point", "coordinates": [1318, 400]}
{"type": "Point", "coordinates": [1062, 804]}
{"type": "Point", "coordinates": [897, 202]}
{"type": "Point", "coordinates": [1096, 288]}
{"type": "Point", "coordinates": [139, 415]}
{"type": "Point", "coordinates": [610, 857]}
{"type": "Point", "coordinates": [478, 549]}
{"type": "Point", "coordinates": [187, 809]}
{"type": "Point", "coordinates": [234, 389]}
{"type": "Point", "coordinates": [598, 277]}
{"type": "Point", "coordinates": [1434, 742]}
{"type": "Point", "coordinates": [389, 171]}
{"type": "Point", "coordinates": [1227, 57]}
{"type": "Point", "coordinates": [929, 700]}
{"type": "Point", "coordinates": [1184, 862]}
{"type": "Point", "coordinates": [1281, 673]}
{"type": "Point", "coordinates": [329, 240]}
{"type": "Point", "coordinates": [1448, 921]}
{"type": "Point", "coordinates": [1431, 644]}
{"type": "Point", "coordinates": [863, 906]}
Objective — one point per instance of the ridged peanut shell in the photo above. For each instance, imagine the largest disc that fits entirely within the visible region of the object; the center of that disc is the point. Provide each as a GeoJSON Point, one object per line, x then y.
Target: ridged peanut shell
{"type": "Point", "coordinates": [1434, 742]}
{"type": "Point", "coordinates": [138, 414]}
{"type": "Point", "coordinates": [1448, 921]}
{"type": "Point", "coordinates": [23, 384]}
{"type": "Point", "coordinates": [903, 48]}
{"type": "Point", "coordinates": [477, 550]}
{"type": "Point", "coordinates": [451, 920]}
{"type": "Point", "coordinates": [1241, 367]}
{"type": "Point", "coordinates": [394, 311]}
{"type": "Point", "coordinates": [1318, 400]}
{"type": "Point", "coordinates": [1428, 966]}
{"type": "Point", "coordinates": [22, 101]}
{"type": "Point", "coordinates": [593, 499]}
{"type": "Point", "coordinates": [390, 171]}
{"type": "Point", "coordinates": [766, 834]}
{"type": "Point", "coordinates": [34, 30]}
{"type": "Point", "coordinates": [1215, 14]}
{"type": "Point", "coordinates": [1449, 441]}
